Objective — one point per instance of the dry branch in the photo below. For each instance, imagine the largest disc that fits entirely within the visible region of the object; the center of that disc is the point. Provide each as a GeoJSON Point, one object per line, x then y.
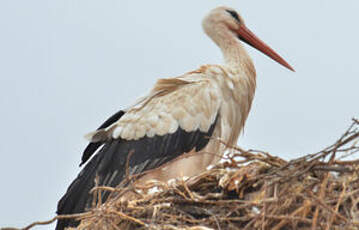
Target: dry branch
{"type": "Point", "coordinates": [251, 190]}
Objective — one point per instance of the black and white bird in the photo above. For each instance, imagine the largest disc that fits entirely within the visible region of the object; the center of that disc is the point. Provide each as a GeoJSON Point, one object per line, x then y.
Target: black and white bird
{"type": "Point", "coordinates": [172, 131]}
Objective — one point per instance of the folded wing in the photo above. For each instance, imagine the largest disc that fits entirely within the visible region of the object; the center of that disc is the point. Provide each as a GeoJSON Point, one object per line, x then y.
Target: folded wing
{"type": "Point", "coordinates": [177, 117]}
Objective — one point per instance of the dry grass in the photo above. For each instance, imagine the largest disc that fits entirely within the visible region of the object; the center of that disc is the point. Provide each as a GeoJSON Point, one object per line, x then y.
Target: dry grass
{"type": "Point", "coordinates": [252, 190]}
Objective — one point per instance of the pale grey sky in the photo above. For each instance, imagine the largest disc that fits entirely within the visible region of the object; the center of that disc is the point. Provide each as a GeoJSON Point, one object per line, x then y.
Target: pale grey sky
{"type": "Point", "coordinates": [66, 65]}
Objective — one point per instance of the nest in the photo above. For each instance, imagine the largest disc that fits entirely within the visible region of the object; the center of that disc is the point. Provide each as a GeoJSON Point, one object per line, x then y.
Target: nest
{"type": "Point", "coordinates": [249, 190]}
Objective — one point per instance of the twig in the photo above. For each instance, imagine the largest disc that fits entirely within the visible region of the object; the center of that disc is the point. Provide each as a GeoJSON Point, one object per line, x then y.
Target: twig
{"type": "Point", "coordinates": [59, 217]}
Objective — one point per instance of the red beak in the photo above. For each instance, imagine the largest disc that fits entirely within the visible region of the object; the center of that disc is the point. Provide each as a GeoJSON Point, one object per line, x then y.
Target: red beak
{"type": "Point", "coordinates": [245, 35]}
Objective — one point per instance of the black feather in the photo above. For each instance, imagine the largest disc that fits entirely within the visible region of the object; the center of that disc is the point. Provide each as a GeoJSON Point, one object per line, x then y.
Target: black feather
{"type": "Point", "coordinates": [147, 153]}
{"type": "Point", "coordinates": [92, 147]}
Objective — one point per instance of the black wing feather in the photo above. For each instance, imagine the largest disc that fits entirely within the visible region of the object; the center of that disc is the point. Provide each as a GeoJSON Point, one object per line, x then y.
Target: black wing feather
{"type": "Point", "coordinates": [109, 164]}
{"type": "Point", "coordinates": [92, 147]}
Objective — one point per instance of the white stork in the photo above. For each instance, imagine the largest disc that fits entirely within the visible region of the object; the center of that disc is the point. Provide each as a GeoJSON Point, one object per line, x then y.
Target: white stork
{"type": "Point", "coordinates": [166, 134]}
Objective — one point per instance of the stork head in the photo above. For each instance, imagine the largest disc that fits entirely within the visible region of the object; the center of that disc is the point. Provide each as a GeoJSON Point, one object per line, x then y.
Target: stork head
{"type": "Point", "coordinates": [222, 22]}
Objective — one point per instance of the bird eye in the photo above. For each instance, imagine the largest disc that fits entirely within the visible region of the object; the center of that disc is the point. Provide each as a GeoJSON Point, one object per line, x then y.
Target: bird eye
{"type": "Point", "coordinates": [233, 14]}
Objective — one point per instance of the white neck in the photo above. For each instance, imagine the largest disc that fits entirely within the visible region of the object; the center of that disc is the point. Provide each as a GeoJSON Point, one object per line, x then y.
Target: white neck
{"type": "Point", "coordinates": [233, 51]}
{"type": "Point", "coordinates": [235, 55]}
